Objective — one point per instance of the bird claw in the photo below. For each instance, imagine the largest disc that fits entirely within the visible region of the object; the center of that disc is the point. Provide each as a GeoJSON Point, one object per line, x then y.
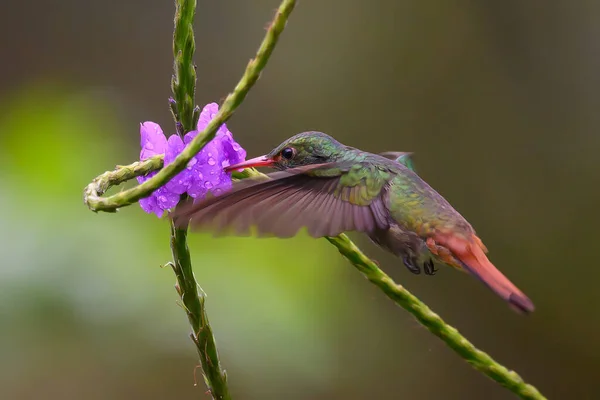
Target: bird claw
{"type": "Point", "coordinates": [410, 265]}
{"type": "Point", "coordinates": [429, 267]}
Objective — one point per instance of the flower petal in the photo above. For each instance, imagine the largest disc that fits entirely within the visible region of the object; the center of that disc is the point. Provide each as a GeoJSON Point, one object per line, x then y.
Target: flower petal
{"type": "Point", "coordinates": [166, 199]}
{"type": "Point", "coordinates": [152, 141]}
{"type": "Point", "coordinates": [221, 183]}
{"type": "Point", "coordinates": [189, 137]}
{"type": "Point", "coordinates": [144, 178]}
{"type": "Point", "coordinates": [207, 166]}
{"type": "Point", "coordinates": [180, 183]}
{"type": "Point", "coordinates": [208, 113]}
{"type": "Point", "coordinates": [196, 188]}
{"type": "Point", "coordinates": [149, 205]}
{"type": "Point", "coordinates": [233, 152]}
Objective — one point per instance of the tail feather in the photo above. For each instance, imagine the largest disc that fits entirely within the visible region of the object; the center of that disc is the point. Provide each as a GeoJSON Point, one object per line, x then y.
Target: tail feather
{"type": "Point", "coordinates": [472, 255]}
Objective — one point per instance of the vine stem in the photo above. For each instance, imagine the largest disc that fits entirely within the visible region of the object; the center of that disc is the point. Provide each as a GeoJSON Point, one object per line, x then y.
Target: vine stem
{"type": "Point", "coordinates": [192, 301]}
{"type": "Point", "coordinates": [480, 360]}
{"type": "Point", "coordinates": [183, 86]}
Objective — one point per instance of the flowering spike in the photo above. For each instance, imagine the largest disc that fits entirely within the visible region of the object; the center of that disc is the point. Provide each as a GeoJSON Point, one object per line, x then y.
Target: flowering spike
{"type": "Point", "coordinates": [204, 172]}
{"type": "Point", "coordinates": [183, 83]}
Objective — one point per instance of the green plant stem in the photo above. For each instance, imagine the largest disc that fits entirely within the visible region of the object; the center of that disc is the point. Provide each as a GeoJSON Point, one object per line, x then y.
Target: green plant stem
{"type": "Point", "coordinates": [121, 174]}
{"type": "Point", "coordinates": [124, 173]}
{"type": "Point", "coordinates": [480, 360]}
{"type": "Point", "coordinates": [193, 298]}
{"type": "Point", "coordinates": [183, 85]}
{"type": "Point", "coordinates": [398, 294]}
{"type": "Point", "coordinates": [233, 100]}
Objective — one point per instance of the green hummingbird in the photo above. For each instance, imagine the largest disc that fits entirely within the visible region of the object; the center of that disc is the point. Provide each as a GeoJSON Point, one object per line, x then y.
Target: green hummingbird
{"type": "Point", "coordinates": [330, 188]}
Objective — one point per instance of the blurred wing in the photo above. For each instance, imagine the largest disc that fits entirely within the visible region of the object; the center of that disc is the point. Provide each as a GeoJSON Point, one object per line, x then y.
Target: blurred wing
{"type": "Point", "coordinates": [401, 157]}
{"type": "Point", "coordinates": [311, 197]}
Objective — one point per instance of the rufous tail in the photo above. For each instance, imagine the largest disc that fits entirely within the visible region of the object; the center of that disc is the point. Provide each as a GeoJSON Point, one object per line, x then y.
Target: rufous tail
{"type": "Point", "coordinates": [472, 255]}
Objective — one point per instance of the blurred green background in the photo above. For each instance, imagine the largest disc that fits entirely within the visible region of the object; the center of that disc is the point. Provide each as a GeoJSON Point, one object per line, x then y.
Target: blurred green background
{"type": "Point", "coordinates": [499, 101]}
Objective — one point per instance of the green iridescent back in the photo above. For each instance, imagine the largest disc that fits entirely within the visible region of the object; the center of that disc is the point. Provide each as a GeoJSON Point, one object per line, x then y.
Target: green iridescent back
{"type": "Point", "coordinates": [411, 202]}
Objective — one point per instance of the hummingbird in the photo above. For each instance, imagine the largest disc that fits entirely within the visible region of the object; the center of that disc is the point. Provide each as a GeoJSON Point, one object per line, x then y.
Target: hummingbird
{"type": "Point", "coordinates": [330, 188]}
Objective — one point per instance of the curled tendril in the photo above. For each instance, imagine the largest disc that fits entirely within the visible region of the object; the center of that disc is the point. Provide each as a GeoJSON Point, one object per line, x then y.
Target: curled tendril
{"type": "Point", "coordinates": [122, 173]}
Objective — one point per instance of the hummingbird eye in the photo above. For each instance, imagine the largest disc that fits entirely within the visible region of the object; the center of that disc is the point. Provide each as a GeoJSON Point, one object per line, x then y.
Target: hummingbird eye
{"type": "Point", "coordinates": [288, 153]}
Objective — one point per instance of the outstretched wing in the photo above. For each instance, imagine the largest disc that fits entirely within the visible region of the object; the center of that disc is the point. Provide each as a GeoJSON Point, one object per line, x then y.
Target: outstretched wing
{"type": "Point", "coordinates": [401, 157]}
{"type": "Point", "coordinates": [327, 199]}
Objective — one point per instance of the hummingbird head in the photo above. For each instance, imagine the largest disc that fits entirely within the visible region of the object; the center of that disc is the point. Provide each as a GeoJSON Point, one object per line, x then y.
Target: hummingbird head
{"type": "Point", "coordinates": [302, 149]}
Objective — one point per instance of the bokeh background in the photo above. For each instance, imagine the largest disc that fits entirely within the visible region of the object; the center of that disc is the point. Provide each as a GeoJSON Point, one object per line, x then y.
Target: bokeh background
{"type": "Point", "coordinates": [499, 101]}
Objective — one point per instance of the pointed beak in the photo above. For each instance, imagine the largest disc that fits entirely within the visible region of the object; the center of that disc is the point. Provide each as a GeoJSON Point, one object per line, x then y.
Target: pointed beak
{"type": "Point", "coordinates": [262, 161]}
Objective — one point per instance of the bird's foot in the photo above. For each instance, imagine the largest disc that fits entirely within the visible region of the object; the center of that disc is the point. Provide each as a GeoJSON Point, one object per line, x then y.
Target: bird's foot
{"type": "Point", "coordinates": [429, 267]}
{"type": "Point", "coordinates": [411, 265]}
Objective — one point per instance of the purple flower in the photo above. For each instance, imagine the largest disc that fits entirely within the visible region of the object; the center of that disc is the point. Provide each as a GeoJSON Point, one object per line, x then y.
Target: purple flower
{"type": "Point", "coordinates": [181, 182]}
{"type": "Point", "coordinates": [204, 173]}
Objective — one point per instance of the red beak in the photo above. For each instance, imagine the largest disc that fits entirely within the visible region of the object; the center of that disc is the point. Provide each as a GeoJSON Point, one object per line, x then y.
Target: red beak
{"type": "Point", "coordinates": [262, 161]}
